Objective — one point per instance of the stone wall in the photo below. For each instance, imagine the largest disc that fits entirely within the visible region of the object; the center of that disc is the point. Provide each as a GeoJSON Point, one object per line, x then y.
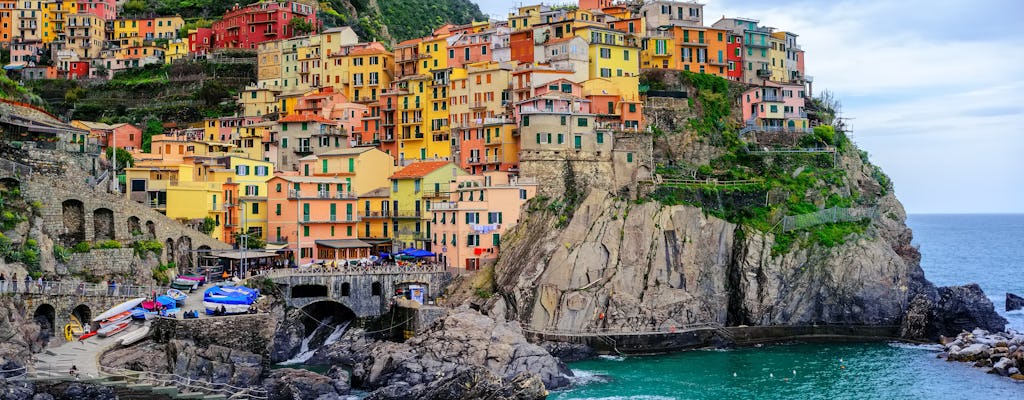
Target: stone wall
{"type": "Point", "coordinates": [64, 305]}
{"type": "Point", "coordinates": [630, 162]}
{"type": "Point", "coordinates": [250, 333]}
{"type": "Point", "coordinates": [111, 262]}
{"type": "Point", "coordinates": [70, 207]}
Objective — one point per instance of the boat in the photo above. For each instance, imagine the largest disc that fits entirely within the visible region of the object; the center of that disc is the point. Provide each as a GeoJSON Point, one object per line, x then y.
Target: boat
{"type": "Point", "coordinates": [86, 336]}
{"type": "Point", "coordinates": [178, 296]}
{"type": "Point", "coordinates": [135, 336]}
{"type": "Point", "coordinates": [185, 284]}
{"type": "Point", "coordinates": [113, 329]}
{"type": "Point", "coordinates": [116, 319]}
{"type": "Point", "coordinates": [198, 278]}
{"type": "Point", "coordinates": [142, 313]}
{"type": "Point", "coordinates": [233, 299]}
{"type": "Point", "coordinates": [118, 309]}
{"type": "Point", "coordinates": [166, 302]}
{"type": "Point", "coordinates": [170, 312]}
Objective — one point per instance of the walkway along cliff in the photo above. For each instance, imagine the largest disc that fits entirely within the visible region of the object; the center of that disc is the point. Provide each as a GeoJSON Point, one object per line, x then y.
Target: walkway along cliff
{"type": "Point", "coordinates": [798, 233]}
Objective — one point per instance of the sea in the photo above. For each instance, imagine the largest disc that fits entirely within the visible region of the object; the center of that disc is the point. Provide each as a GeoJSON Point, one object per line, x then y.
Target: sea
{"type": "Point", "coordinates": [956, 249]}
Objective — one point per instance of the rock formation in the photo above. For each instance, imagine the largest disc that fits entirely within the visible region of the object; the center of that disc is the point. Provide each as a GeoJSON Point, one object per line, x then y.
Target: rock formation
{"type": "Point", "coordinates": [999, 353]}
{"type": "Point", "coordinates": [463, 341]}
{"type": "Point", "coordinates": [1014, 302]}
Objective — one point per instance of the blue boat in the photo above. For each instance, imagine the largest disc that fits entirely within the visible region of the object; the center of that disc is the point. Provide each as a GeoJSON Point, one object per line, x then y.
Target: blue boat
{"type": "Point", "coordinates": [233, 299]}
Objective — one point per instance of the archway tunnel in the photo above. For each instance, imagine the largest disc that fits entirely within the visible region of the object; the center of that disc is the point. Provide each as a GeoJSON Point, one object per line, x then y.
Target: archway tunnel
{"type": "Point", "coordinates": [82, 313]}
{"type": "Point", "coordinates": [45, 316]}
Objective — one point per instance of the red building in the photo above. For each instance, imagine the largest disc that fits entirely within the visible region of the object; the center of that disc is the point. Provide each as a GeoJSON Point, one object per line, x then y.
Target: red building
{"type": "Point", "coordinates": [78, 70]}
{"type": "Point", "coordinates": [470, 48]}
{"type": "Point", "coordinates": [521, 43]}
{"type": "Point", "coordinates": [245, 27]}
{"type": "Point", "coordinates": [105, 9]}
{"type": "Point", "coordinates": [735, 57]}
{"type": "Point", "coordinates": [200, 41]}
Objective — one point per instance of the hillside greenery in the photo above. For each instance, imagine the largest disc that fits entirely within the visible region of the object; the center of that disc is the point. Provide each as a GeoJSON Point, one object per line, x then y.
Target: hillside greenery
{"type": "Point", "coordinates": [758, 189]}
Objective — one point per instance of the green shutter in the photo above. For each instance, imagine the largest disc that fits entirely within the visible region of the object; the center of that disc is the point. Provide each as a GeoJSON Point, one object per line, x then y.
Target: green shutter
{"type": "Point", "coordinates": [277, 210]}
{"type": "Point", "coordinates": [284, 141]}
{"type": "Point", "coordinates": [351, 165]}
{"type": "Point", "coordinates": [348, 211]}
{"type": "Point", "coordinates": [495, 239]}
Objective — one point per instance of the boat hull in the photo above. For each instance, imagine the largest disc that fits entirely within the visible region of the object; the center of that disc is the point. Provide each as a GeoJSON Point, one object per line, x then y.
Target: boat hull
{"type": "Point", "coordinates": [120, 308]}
{"type": "Point", "coordinates": [114, 329]}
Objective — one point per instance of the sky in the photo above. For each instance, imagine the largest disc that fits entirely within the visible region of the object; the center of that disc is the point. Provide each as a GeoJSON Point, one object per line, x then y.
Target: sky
{"type": "Point", "coordinates": [932, 89]}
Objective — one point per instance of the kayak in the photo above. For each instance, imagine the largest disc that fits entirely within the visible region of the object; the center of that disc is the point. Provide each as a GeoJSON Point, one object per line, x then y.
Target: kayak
{"type": "Point", "coordinates": [86, 336]}
{"type": "Point", "coordinates": [118, 309]}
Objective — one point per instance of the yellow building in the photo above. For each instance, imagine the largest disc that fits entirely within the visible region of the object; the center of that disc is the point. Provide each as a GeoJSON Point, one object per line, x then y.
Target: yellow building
{"type": "Point", "coordinates": [411, 189]}
{"type": "Point", "coordinates": [526, 17]}
{"type": "Point", "coordinates": [176, 49]}
{"type": "Point", "coordinates": [422, 109]}
{"type": "Point", "coordinates": [659, 50]}
{"type": "Point", "coordinates": [309, 58]}
{"type": "Point", "coordinates": [777, 57]}
{"type": "Point", "coordinates": [55, 19]}
{"type": "Point", "coordinates": [192, 202]}
{"type": "Point", "coordinates": [268, 71]}
{"type": "Point", "coordinates": [363, 168]}
{"type": "Point", "coordinates": [126, 32]}
{"type": "Point", "coordinates": [167, 27]}
{"type": "Point", "coordinates": [374, 212]}
{"type": "Point", "coordinates": [85, 35]}
{"type": "Point", "coordinates": [369, 72]}
{"type": "Point", "coordinates": [614, 55]}
{"type": "Point", "coordinates": [258, 101]}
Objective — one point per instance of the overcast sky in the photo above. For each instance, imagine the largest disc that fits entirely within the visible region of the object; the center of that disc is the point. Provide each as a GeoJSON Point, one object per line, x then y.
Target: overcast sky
{"type": "Point", "coordinates": [933, 89]}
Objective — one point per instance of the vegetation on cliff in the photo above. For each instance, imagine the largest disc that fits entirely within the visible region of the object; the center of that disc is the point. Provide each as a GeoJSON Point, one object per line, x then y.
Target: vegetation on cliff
{"type": "Point", "coordinates": [757, 182]}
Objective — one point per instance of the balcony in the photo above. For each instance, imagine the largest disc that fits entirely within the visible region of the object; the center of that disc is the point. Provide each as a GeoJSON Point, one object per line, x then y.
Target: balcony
{"type": "Point", "coordinates": [476, 105]}
{"type": "Point", "coordinates": [796, 115]}
{"type": "Point", "coordinates": [772, 98]}
{"type": "Point", "coordinates": [412, 136]}
{"type": "Point", "coordinates": [322, 195]}
{"type": "Point", "coordinates": [444, 206]}
{"type": "Point", "coordinates": [442, 137]}
{"type": "Point", "coordinates": [407, 214]}
{"type": "Point", "coordinates": [439, 83]}
{"type": "Point", "coordinates": [717, 62]}
{"type": "Point", "coordinates": [376, 214]}
{"type": "Point", "coordinates": [388, 107]}
{"type": "Point", "coordinates": [307, 150]}
{"type": "Point", "coordinates": [436, 195]}
{"type": "Point", "coordinates": [388, 138]}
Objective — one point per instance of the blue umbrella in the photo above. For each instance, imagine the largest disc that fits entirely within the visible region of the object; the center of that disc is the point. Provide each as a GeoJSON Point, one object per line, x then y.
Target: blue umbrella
{"type": "Point", "coordinates": [421, 253]}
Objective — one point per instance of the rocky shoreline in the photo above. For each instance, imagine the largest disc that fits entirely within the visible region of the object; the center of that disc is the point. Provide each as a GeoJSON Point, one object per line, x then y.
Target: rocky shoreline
{"type": "Point", "coordinates": [1000, 353]}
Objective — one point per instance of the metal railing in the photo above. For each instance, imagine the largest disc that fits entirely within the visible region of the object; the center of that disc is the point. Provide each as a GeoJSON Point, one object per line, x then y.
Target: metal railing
{"type": "Point", "coordinates": [827, 216]}
{"type": "Point", "coordinates": [347, 269]}
{"type": "Point", "coordinates": [16, 169]}
{"type": "Point", "coordinates": [186, 384]}
{"type": "Point", "coordinates": [623, 330]}
{"type": "Point", "coordinates": [50, 288]}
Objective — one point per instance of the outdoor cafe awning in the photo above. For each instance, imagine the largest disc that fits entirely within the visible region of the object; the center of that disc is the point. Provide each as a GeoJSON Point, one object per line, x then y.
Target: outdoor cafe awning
{"type": "Point", "coordinates": [237, 255]}
{"type": "Point", "coordinates": [344, 244]}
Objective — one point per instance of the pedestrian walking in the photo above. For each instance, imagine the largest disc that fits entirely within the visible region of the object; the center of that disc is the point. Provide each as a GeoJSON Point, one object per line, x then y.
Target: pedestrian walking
{"type": "Point", "coordinates": [3, 282]}
{"type": "Point", "coordinates": [39, 284]}
{"type": "Point", "coordinates": [14, 283]}
{"type": "Point", "coordinates": [28, 283]}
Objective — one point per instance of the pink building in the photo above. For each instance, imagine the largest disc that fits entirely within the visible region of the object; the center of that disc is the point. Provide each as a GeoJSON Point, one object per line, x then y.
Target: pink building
{"type": "Point", "coordinates": [125, 136]}
{"type": "Point", "coordinates": [775, 105]}
{"type": "Point", "coordinates": [105, 9]}
{"type": "Point", "coordinates": [466, 230]}
{"type": "Point", "coordinates": [315, 216]}
{"type": "Point", "coordinates": [200, 41]}
{"type": "Point", "coordinates": [469, 48]}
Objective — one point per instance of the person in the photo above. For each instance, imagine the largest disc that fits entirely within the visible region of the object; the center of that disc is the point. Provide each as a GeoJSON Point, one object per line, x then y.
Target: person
{"type": "Point", "coordinates": [81, 288]}
{"type": "Point", "coordinates": [74, 371]}
{"type": "Point", "coordinates": [110, 287]}
{"type": "Point", "coordinates": [39, 284]}
{"type": "Point", "coordinates": [3, 282]}
{"type": "Point", "coordinates": [14, 283]}
{"type": "Point", "coordinates": [28, 282]}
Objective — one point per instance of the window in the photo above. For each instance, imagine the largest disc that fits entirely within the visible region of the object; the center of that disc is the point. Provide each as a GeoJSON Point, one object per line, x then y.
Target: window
{"type": "Point", "coordinates": [277, 209]}
{"type": "Point", "coordinates": [629, 157]}
{"type": "Point", "coordinates": [495, 239]}
{"type": "Point", "coordinates": [255, 208]}
{"type": "Point", "coordinates": [522, 194]}
{"type": "Point", "coordinates": [526, 120]}
{"type": "Point", "coordinates": [606, 72]}
{"type": "Point", "coordinates": [305, 231]}
{"type": "Point", "coordinates": [606, 53]}
{"type": "Point", "coordinates": [538, 138]}
{"type": "Point", "coordinates": [472, 240]}
{"type": "Point", "coordinates": [563, 120]}
{"type": "Point", "coordinates": [625, 55]}
{"type": "Point", "coordinates": [416, 185]}
{"type": "Point", "coordinates": [581, 122]}
{"type": "Point", "coordinates": [600, 137]}
{"type": "Point", "coordinates": [394, 186]}
{"type": "Point", "coordinates": [561, 138]}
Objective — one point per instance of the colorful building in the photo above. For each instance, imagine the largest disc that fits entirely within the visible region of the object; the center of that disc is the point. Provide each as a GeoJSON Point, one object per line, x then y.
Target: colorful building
{"type": "Point", "coordinates": [412, 188]}
{"type": "Point", "coordinates": [247, 26]}
{"type": "Point", "coordinates": [6, 21]}
{"type": "Point", "coordinates": [315, 217]}
{"type": "Point", "coordinates": [466, 227]}
{"type": "Point", "coordinates": [104, 9]}
{"type": "Point", "coordinates": [125, 136]}
{"type": "Point", "coordinates": [776, 107]}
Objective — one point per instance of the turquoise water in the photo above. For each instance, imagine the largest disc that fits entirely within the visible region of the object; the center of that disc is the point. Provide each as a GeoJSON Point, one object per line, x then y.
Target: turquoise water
{"type": "Point", "coordinates": [956, 249]}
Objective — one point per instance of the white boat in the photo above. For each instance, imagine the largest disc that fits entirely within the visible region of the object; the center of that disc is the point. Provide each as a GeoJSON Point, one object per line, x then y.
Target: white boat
{"type": "Point", "coordinates": [135, 336]}
{"type": "Point", "coordinates": [211, 307]}
{"type": "Point", "coordinates": [120, 308]}
{"type": "Point", "coordinates": [113, 329]}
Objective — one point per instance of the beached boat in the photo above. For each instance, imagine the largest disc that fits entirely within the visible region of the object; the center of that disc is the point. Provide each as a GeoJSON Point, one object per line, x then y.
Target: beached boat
{"type": "Point", "coordinates": [135, 336]}
{"type": "Point", "coordinates": [178, 296]}
{"type": "Point", "coordinates": [113, 329]}
{"type": "Point", "coordinates": [86, 336]}
{"type": "Point", "coordinates": [120, 308]}
{"type": "Point", "coordinates": [116, 319]}
{"type": "Point", "coordinates": [185, 284]}
{"type": "Point", "coordinates": [233, 299]}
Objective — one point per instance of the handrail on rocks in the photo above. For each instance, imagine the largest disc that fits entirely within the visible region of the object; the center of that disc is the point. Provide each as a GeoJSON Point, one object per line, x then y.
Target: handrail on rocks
{"type": "Point", "coordinates": [356, 270]}
{"type": "Point", "coordinates": [186, 383]}
{"type": "Point", "coordinates": [50, 288]}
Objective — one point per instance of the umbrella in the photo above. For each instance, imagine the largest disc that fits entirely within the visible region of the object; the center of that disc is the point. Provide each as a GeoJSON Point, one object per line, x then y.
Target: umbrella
{"type": "Point", "coordinates": [421, 253]}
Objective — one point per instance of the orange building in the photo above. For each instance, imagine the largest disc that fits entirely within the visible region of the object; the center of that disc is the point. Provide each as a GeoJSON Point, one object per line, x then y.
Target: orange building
{"type": "Point", "coordinates": [6, 21]}
{"type": "Point", "coordinates": [316, 215]}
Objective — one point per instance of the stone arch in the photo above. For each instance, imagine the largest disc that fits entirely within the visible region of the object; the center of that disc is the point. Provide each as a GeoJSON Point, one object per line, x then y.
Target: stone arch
{"type": "Point", "coordinates": [376, 289]}
{"type": "Point", "coordinates": [83, 313]}
{"type": "Point", "coordinates": [169, 250]}
{"type": "Point", "coordinates": [319, 312]}
{"type": "Point", "coordinates": [103, 224]}
{"type": "Point", "coordinates": [183, 253]}
{"type": "Point", "coordinates": [150, 230]}
{"type": "Point", "coordinates": [135, 226]}
{"type": "Point", "coordinates": [46, 317]}
{"type": "Point", "coordinates": [346, 289]}
{"type": "Point", "coordinates": [73, 213]}
{"type": "Point", "coordinates": [304, 291]}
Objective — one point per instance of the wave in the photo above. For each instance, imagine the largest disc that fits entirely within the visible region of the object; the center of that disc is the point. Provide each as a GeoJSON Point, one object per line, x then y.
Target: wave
{"type": "Point", "coordinates": [582, 377]}
{"type": "Point", "coordinates": [911, 346]}
{"type": "Point", "coordinates": [611, 357]}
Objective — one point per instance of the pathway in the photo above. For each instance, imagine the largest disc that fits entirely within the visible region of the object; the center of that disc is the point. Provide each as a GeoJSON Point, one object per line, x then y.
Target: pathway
{"type": "Point", "coordinates": [56, 361]}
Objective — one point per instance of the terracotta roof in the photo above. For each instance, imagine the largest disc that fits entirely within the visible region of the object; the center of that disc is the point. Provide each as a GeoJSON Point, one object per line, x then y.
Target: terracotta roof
{"type": "Point", "coordinates": [372, 48]}
{"type": "Point", "coordinates": [348, 151]}
{"type": "Point", "coordinates": [305, 118]}
{"type": "Point", "coordinates": [419, 169]}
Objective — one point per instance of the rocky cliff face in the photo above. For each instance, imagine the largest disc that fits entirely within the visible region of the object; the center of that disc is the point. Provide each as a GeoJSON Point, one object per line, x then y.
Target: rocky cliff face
{"type": "Point", "coordinates": [619, 265]}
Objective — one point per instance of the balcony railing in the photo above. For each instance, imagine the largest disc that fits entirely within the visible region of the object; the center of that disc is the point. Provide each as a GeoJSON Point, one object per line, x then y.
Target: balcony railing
{"type": "Point", "coordinates": [376, 214]}
{"type": "Point", "coordinates": [444, 206]}
{"type": "Point", "coordinates": [436, 195]}
{"type": "Point", "coordinates": [303, 149]}
{"type": "Point", "coordinates": [407, 214]}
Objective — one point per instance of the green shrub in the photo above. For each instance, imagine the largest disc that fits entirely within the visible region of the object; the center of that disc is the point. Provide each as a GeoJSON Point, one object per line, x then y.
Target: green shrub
{"type": "Point", "coordinates": [81, 247]}
{"type": "Point", "coordinates": [61, 253]}
{"type": "Point", "coordinates": [142, 247]}
{"type": "Point", "coordinates": [108, 244]}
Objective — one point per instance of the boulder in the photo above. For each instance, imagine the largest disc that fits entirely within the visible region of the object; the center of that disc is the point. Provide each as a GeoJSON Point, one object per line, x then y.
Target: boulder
{"type": "Point", "coordinates": [569, 352]}
{"type": "Point", "coordinates": [1014, 302]}
{"type": "Point", "coordinates": [16, 390]}
{"type": "Point", "coordinates": [43, 396]}
{"type": "Point", "coordinates": [87, 391]}
{"type": "Point", "coordinates": [216, 364]}
{"type": "Point", "coordinates": [341, 379]}
{"type": "Point", "coordinates": [1002, 367]}
{"type": "Point", "coordinates": [288, 336]}
{"type": "Point", "coordinates": [288, 383]}
{"type": "Point", "coordinates": [974, 352]}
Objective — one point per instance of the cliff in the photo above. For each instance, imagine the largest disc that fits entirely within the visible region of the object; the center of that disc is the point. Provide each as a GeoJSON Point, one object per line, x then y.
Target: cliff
{"type": "Point", "coordinates": [753, 237]}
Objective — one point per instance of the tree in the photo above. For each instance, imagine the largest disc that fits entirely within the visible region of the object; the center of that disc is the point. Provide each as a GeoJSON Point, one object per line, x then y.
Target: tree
{"type": "Point", "coordinates": [153, 128]}
{"type": "Point", "coordinates": [124, 158]}
{"type": "Point", "coordinates": [213, 92]}
{"type": "Point", "coordinates": [134, 6]}
{"type": "Point", "coordinates": [208, 225]}
{"type": "Point", "coordinates": [74, 94]}
{"type": "Point", "coordinates": [253, 242]}
{"type": "Point", "coordinates": [300, 26]}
